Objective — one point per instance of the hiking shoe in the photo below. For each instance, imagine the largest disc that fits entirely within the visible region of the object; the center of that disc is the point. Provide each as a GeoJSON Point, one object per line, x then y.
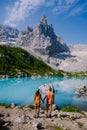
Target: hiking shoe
{"type": "Point", "coordinates": [50, 116]}
{"type": "Point", "coordinates": [46, 115]}
{"type": "Point", "coordinates": [35, 116]}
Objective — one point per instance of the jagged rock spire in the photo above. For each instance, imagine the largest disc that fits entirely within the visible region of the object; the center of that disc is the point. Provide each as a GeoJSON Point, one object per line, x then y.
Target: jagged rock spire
{"type": "Point", "coordinates": [43, 20]}
{"type": "Point", "coordinates": [42, 39]}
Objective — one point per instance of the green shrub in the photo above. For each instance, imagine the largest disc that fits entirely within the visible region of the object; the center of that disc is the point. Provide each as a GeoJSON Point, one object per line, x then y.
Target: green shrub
{"type": "Point", "coordinates": [68, 108]}
{"type": "Point", "coordinates": [16, 62]}
{"type": "Point", "coordinates": [54, 127]}
{"type": "Point", "coordinates": [31, 106]}
{"type": "Point", "coordinates": [5, 105]}
{"type": "Point", "coordinates": [80, 124]}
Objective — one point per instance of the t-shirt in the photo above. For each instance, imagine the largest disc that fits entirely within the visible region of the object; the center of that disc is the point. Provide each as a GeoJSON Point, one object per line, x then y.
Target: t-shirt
{"type": "Point", "coordinates": [49, 96]}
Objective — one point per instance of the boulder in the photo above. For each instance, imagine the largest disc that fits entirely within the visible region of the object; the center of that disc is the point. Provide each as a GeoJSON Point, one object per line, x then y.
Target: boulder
{"type": "Point", "coordinates": [81, 90]}
{"type": "Point", "coordinates": [44, 88]}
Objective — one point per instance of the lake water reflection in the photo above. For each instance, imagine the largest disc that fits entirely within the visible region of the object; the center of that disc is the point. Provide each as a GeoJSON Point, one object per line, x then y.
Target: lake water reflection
{"type": "Point", "coordinates": [21, 90]}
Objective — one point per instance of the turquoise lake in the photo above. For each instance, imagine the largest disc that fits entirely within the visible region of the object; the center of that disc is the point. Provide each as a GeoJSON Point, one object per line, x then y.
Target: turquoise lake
{"type": "Point", "coordinates": [21, 90]}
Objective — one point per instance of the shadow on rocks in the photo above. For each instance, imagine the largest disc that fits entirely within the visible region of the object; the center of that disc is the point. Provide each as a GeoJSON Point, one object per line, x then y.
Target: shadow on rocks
{"type": "Point", "coordinates": [1, 115]}
{"type": "Point", "coordinates": [2, 127]}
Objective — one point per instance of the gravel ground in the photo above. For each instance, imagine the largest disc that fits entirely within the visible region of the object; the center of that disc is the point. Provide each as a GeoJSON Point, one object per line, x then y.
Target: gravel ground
{"type": "Point", "coordinates": [16, 118]}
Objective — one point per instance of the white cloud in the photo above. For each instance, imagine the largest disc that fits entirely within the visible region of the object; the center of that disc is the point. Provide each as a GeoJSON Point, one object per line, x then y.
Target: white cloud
{"type": "Point", "coordinates": [63, 5]}
{"type": "Point", "coordinates": [61, 9]}
{"type": "Point", "coordinates": [49, 3]}
{"type": "Point", "coordinates": [79, 9]}
{"type": "Point", "coordinates": [76, 11]}
{"type": "Point", "coordinates": [70, 1]}
{"type": "Point", "coordinates": [72, 7]}
{"type": "Point", "coordinates": [20, 10]}
{"type": "Point", "coordinates": [67, 5]}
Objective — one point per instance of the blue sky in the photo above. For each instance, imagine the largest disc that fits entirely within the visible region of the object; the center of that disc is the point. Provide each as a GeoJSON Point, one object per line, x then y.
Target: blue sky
{"type": "Point", "coordinates": [68, 17]}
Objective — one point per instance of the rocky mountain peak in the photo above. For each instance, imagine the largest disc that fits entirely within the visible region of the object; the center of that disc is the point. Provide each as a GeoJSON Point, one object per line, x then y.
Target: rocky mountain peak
{"type": "Point", "coordinates": [43, 20]}
{"type": "Point", "coordinates": [29, 29]}
{"type": "Point", "coordinates": [42, 39]}
{"type": "Point", "coordinates": [44, 28]}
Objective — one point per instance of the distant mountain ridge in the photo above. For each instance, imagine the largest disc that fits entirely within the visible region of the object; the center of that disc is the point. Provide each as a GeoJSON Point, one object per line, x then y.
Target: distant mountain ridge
{"type": "Point", "coordinates": [77, 47]}
{"type": "Point", "coordinates": [8, 34]}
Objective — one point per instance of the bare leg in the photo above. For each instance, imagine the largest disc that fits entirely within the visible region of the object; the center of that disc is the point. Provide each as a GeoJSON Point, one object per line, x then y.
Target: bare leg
{"type": "Point", "coordinates": [35, 112]}
{"type": "Point", "coordinates": [38, 111]}
{"type": "Point", "coordinates": [47, 109]}
{"type": "Point", "coordinates": [50, 110]}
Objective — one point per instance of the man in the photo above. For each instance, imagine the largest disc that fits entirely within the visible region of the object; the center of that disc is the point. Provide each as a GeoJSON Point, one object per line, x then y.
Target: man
{"type": "Point", "coordinates": [49, 101]}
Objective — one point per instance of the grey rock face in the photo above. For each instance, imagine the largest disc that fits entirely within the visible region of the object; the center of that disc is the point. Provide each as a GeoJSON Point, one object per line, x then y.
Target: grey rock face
{"type": "Point", "coordinates": [81, 91]}
{"type": "Point", "coordinates": [8, 34]}
{"type": "Point", "coordinates": [42, 39]}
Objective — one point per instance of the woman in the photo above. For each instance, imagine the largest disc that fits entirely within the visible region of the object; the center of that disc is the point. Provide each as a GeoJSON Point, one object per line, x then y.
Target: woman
{"type": "Point", "coordinates": [37, 102]}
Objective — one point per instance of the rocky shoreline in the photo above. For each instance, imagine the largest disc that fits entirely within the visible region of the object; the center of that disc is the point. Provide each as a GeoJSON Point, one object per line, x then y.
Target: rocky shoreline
{"type": "Point", "coordinates": [22, 118]}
